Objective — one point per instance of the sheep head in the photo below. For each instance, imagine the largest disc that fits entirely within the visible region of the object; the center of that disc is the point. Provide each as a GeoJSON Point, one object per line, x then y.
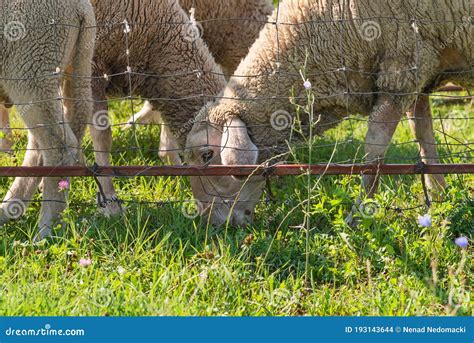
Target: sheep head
{"type": "Point", "coordinates": [226, 199]}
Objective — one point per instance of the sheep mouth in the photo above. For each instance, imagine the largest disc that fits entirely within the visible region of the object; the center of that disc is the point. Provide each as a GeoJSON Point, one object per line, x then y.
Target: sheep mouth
{"type": "Point", "coordinates": [220, 214]}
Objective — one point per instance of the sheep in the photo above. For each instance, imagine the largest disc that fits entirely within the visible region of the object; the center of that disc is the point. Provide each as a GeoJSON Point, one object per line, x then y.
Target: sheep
{"type": "Point", "coordinates": [162, 43]}
{"type": "Point", "coordinates": [181, 68]}
{"type": "Point", "coordinates": [44, 41]}
{"type": "Point", "coordinates": [229, 28]}
{"type": "Point", "coordinates": [378, 58]}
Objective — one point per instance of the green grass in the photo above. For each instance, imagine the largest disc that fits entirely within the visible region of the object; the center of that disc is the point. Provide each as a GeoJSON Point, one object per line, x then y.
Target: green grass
{"type": "Point", "coordinates": [155, 261]}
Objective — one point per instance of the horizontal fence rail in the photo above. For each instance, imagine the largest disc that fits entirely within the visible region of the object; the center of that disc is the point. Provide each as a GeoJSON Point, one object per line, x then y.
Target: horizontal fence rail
{"type": "Point", "coordinates": [248, 170]}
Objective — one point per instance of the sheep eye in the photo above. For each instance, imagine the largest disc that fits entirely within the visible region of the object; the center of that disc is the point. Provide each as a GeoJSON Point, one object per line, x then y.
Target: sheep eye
{"type": "Point", "coordinates": [207, 156]}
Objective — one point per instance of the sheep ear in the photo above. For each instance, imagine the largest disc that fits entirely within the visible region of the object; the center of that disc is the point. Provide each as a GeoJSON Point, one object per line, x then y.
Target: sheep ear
{"type": "Point", "coordinates": [237, 147]}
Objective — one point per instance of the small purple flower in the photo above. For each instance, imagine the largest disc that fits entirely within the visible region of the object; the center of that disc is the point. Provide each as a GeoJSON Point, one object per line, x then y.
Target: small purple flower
{"type": "Point", "coordinates": [307, 85]}
{"type": "Point", "coordinates": [63, 185]}
{"type": "Point", "coordinates": [85, 262]}
{"type": "Point", "coordinates": [425, 220]}
{"type": "Point", "coordinates": [462, 242]}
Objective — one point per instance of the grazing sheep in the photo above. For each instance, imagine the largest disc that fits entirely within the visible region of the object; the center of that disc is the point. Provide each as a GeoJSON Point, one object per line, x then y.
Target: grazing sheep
{"type": "Point", "coordinates": [164, 45]}
{"type": "Point", "coordinates": [180, 70]}
{"type": "Point", "coordinates": [229, 28]}
{"type": "Point", "coordinates": [42, 41]}
{"type": "Point", "coordinates": [368, 57]}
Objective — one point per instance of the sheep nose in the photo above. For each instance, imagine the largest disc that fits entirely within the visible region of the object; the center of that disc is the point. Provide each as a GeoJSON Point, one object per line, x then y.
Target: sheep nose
{"type": "Point", "coordinates": [244, 219]}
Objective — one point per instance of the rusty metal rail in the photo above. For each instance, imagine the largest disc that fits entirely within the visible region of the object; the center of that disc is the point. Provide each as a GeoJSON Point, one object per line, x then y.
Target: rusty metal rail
{"type": "Point", "coordinates": [277, 170]}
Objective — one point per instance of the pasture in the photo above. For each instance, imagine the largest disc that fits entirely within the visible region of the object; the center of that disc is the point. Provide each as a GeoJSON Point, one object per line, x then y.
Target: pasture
{"type": "Point", "coordinates": [157, 260]}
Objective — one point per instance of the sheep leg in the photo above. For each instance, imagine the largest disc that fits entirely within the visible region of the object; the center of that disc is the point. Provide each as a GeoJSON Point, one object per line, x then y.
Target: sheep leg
{"type": "Point", "coordinates": [77, 111]}
{"type": "Point", "coordinates": [102, 140]}
{"type": "Point", "coordinates": [382, 125]}
{"type": "Point", "coordinates": [421, 124]}
{"type": "Point", "coordinates": [147, 115]}
{"type": "Point", "coordinates": [169, 147]}
{"type": "Point", "coordinates": [23, 188]}
{"type": "Point", "coordinates": [63, 154]}
{"type": "Point", "coordinates": [55, 142]}
{"type": "Point", "coordinates": [5, 140]}
{"type": "Point", "coordinates": [54, 200]}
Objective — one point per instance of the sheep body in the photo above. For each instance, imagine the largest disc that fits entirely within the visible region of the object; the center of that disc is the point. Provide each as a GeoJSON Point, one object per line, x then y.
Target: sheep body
{"type": "Point", "coordinates": [388, 60]}
{"type": "Point", "coordinates": [42, 39]}
{"type": "Point", "coordinates": [167, 63]}
{"type": "Point", "coordinates": [368, 57]}
{"type": "Point", "coordinates": [229, 29]}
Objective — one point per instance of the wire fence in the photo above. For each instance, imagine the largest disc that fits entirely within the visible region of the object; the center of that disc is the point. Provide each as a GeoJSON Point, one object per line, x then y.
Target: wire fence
{"type": "Point", "coordinates": [129, 69]}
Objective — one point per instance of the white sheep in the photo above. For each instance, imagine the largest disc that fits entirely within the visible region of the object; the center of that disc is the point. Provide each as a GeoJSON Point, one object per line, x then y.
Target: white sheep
{"type": "Point", "coordinates": [229, 30]}
{"type": "Point", "coordinates": [150, 49]}
{"type": "Point", "coordinates": [378, 58]}
{"type": "Point", "coordinates": [176, 72]}
{"type": "Point", "coordinates": [41, 41]}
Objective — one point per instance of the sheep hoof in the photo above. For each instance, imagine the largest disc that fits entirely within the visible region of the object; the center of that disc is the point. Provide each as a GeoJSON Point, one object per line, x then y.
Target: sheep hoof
{"type": "Point", "coordinates": [437, 197]}
{"type": "Point", "coordinates": [352, 220]}
{"type": "Point", "coordinates": [3, 218]}
{"type": "Point", "coordinates": [437, 187]}
{"type": "Point", "coordinates": [43, 233]}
